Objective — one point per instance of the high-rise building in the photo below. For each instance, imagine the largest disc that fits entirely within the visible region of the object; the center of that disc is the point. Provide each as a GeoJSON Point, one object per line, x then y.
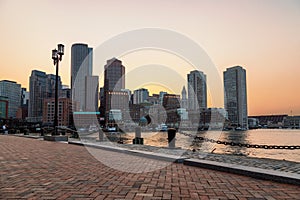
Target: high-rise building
{"type": "Point", "coordinates": [12, 91]}
{"type": "Point", "coordinates": [81, 67]}
{"type": "Point", "coordinates": [197, 92]}
{"type": "Point", "coordinates": [91, 93]}
{"type": "Point", "coordinates": [235, 96]}
{"type": "Point", "coordinates": [184, 100]}
{"type": "Point", "coordinates": [41, 86]}
{"type": "Point", "coordinates": [114, 83]}
{"type": "Point", "coordinates": [141, 95]}
{"type": "Point", "coordinates": [114, 75]}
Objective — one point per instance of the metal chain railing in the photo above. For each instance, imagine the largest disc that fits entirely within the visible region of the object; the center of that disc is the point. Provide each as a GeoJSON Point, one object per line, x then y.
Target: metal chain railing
{"type": "Point", "coordinates": [198, 139]}
{"type": "Point", "coordinates": [51, 130]}
{"type": "Point", "coordinates": [47, 130]}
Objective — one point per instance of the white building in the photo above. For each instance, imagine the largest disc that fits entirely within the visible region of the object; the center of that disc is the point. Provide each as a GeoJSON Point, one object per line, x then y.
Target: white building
{"type": "Point", "coordinates": [184, 100]}
{"type": "Point", "coordinates": [184, 115]}
{"type": "Point", "coordinates": [140, 96]}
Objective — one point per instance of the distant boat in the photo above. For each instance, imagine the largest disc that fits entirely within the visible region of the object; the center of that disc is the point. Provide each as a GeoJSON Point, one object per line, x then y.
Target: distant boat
{"type": "Point", "coordinates": [110, 129]}
{"type": "Point", "coordinates": [162, 128]}
{"type": "Point", "coordinates": [238, 129]}
{"type": "Point", "coordinates": [93, 129]}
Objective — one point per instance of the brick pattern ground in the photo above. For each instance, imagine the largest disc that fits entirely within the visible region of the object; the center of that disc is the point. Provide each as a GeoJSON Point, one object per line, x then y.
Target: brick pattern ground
{"type": "Point", "coordinates": [34, 169]}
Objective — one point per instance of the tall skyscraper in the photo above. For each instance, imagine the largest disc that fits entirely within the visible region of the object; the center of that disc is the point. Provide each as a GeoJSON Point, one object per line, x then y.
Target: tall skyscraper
{"type": "Point", "coordinates": [235, 96]}
{"type": "Point", "coordinates": [197, 92]}
{"type": "Point", "coordinates": [114, 75]}
{"type": "Point", "coordinates": [114, 83]}
{"type": "Point", "coordinates": [41, 86]}
{"type": "Point", "coordinates": [81, 67]}
{"type": "Point", "coordinates": [91, 93]}
{"type": "Point", "coordinates": [50, 86]}
{"type": "Point", "coordinates": [12, 91]}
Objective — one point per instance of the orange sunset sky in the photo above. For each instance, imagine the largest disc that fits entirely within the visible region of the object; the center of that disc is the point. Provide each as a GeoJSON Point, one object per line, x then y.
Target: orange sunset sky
{"type": "Point", "coordinates": [261, 36]}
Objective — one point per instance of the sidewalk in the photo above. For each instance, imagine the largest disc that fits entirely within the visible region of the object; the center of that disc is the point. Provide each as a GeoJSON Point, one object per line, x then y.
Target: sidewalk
{"type": "Point", "coordinates": [267, 169]}
{"type": "Point", "coordinates": [48, 170]}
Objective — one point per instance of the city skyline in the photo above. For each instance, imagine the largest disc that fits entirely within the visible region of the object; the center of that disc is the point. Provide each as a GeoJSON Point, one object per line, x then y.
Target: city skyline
{"type": "Point", "coordinates": [263, 37]}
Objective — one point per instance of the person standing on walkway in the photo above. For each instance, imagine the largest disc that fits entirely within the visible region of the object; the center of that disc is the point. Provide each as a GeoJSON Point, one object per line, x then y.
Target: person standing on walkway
{"type": "Point", "coordinates": [4, 128]}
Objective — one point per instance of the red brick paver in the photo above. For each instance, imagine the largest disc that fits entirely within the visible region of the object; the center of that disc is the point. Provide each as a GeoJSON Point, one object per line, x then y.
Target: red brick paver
{"type": "Point", "coordinates": [33, 169]}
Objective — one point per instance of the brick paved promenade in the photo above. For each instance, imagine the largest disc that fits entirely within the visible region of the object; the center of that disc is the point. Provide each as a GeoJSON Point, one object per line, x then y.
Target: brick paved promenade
{"type": "Point", "coordinates": [35, 169]}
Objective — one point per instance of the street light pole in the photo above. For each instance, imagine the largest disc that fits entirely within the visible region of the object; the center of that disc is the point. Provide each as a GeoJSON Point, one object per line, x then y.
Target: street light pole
{"type": "Point", "coordinates": [57, 57]}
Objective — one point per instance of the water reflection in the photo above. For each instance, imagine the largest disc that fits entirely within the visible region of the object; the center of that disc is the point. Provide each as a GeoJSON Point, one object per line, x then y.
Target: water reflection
{"type": "Point", "coordinates": [239, 137]}
{"type": "Point", "coordinates": [260, 136]}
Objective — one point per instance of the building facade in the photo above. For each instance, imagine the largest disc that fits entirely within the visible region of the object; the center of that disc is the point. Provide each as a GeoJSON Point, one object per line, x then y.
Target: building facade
{"type": "Point", "coordinates": [64, 111]}
{"type": "Point", "coordinates": [41, 86]}
{"type": "Point", "coordinates": [12, 91]}
{"type": "Point", "coordinates": [197, 90]}
{"type": "Point", "coordinates": [3, 107]}
{"type": "Point", "coordinates": [140, 96]}
{"type": "Point", "coordinates": [213, 118]}
{"type": "Point", "coordinates": [171, 102]}
{"type": "Point", "coordinates": [114, 75]}
{"type": "Point", "coordinates": [22, 112]}
{"type": "Point", "coordinates": [114, 82]}
{"type": "Point", "coordinates": [92, 93]}
{"type": "Point", "coordinates": [81, 67]}
{"type": "Point", "coordinates": [184, 100]}
{"type": "Point", "coordinates": [235, 96]}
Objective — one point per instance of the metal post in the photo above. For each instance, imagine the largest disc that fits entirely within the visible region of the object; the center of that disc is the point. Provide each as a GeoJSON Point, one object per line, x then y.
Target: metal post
{"type": "Point", "coordinates": [56, 100]}
{"type": "Point", "coordinates": [56, 56]}
{"type": "Point", "coordinates": [171, 137]}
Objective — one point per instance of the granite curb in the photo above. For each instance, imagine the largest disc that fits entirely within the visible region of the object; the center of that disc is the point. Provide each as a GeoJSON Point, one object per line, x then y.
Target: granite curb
{"type": "Point", "coordinates": [145, 154]}
{"type": "Point", "coordinates": [265, 174]}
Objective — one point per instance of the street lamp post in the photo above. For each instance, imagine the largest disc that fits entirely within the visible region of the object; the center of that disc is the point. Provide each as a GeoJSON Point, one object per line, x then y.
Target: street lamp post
{"type": "Point", "coordinates": [57, 57]}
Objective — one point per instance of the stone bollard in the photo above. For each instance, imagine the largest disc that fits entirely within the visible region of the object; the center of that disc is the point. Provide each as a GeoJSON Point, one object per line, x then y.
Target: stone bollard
{"type": "Point", "coordinates": [138, 136]}
{"type": "Point", "coordinates": [171, 137]}
{"type": "Point", "coordinates": [138, 131]}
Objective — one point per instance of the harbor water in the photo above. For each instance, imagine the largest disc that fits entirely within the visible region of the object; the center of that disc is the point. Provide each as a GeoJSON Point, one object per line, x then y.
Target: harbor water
{"type": "Point", "coordinates": [280, 137]}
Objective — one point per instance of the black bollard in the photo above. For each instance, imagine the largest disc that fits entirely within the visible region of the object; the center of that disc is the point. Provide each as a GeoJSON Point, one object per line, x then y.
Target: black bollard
{"type": "Point", "coordinates": [138, 136]}
{"type": "Point", "coordinates": [171, 137]}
